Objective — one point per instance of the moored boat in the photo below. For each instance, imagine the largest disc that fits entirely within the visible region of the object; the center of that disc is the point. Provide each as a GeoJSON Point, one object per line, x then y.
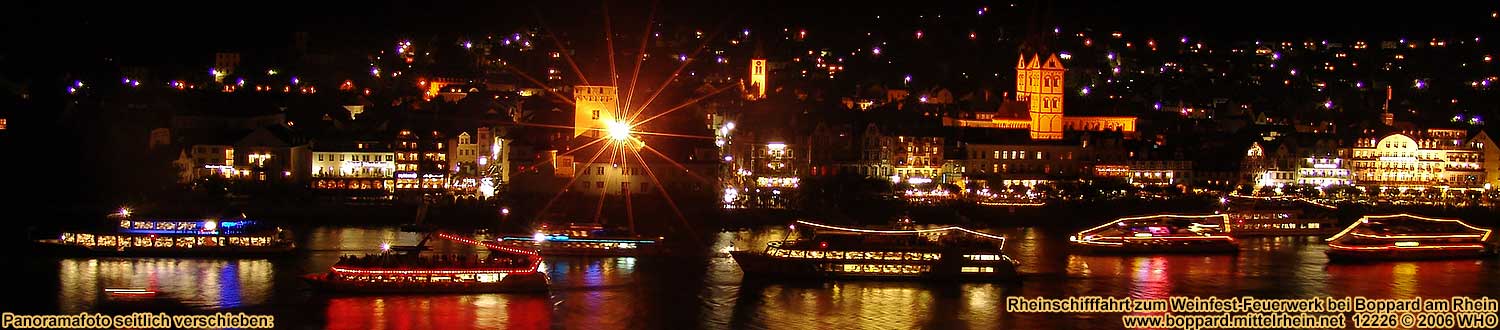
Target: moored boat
{"type": "Point", "coordinates": [178, 238]}
{"type": "Point", "coordinates": [576, 239]}
{"type": "Point", "coordinates": [1166, 233]}
{"type": "Point", "coordinates": [1270, 217]}
{"type": "Point", "coordinates": [832, 252]}
{"type": "Point", "coordinates": [404, 270]}
{"type": "Point", "coordinates": [1409, 237]}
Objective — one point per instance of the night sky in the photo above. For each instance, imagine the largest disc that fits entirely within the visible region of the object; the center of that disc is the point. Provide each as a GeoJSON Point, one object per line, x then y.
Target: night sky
{"type": "Point", "coordinates": [60, 32]}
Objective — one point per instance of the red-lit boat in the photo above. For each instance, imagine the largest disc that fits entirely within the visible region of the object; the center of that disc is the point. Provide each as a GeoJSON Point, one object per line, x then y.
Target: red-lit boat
{"type": "Point", "coordinates": [948, 253]}
{"type": "Point", "coordinates": [505, 269]}
{"type": "Point", "coordinates": [1159, 234]}
{"type": "Point", "coordinates": [1409, 237]}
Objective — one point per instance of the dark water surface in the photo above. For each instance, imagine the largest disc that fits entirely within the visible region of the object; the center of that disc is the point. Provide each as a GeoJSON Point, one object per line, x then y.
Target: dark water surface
{"type": "Point", "coordinates": [679, 293]}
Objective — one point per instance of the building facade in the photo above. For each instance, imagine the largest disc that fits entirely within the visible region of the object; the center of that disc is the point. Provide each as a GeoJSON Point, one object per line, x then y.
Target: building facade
{"type": "Point", "coordinates": [421, 161]}
{"type": "Point", "coordinates": [1040, 84]}
{"type": "Point", "coordinates": [917, 157]}
{"type": "Point", "coordinates": [265, 154]}
{"type": "Point", "coordinates": [363, 167]}
{"type": "Point", "coordinates": [1432, 158]}
{"type": "Point", "coordinates": [1161, 172]}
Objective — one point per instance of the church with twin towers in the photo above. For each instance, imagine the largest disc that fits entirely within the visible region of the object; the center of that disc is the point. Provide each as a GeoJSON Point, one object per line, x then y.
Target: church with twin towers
{"type": "Point", "coordinates": [1038, 106]}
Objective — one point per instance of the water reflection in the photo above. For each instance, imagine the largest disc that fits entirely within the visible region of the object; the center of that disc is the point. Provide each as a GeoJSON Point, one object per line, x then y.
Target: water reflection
{"type": "Point", "coordinates": [697, 293]}
{"type": "Point", "coordinates": [1439, 278]}
{"type": "Point", "coordinates": [218, 284]}
{"type": "Point", "coordinates": [488, 311]}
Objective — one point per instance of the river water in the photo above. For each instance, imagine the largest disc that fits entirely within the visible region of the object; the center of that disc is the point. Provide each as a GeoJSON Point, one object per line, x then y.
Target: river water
{"type": "Point", "coordinates": [683, 293]}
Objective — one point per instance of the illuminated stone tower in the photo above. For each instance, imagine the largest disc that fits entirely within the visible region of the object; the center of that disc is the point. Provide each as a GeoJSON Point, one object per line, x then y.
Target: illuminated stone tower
{"type": "Point", "coordinates": [594, 109]}
{"type": "Point", "coordinates": [758, 77]}
{"type": "Point", "coordinates": [1023, 80]}
{"type": "Point", "coordinates": [1040, 83]}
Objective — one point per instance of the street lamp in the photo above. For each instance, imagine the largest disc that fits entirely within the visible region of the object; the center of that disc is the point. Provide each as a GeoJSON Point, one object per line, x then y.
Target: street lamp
{"type": "Point", "coordinates": [617, 131]}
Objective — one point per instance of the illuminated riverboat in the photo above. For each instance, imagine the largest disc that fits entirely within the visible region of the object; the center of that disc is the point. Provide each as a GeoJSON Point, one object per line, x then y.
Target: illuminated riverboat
{"type": "Point", "coordinates": [1159, 234]}
{"type": "Point", "coordinates": [948, 253]}
{"type": "Point", "coordinates": [133, 237]}
{"type": "Point", "coordinates": [404, 270]}
{"type": "Point", "coordinates": [584, 240]}
{"type": "Point", "coordinates": [1252, 217]}
{"type": "Point", "coordinates": [1409, 237]}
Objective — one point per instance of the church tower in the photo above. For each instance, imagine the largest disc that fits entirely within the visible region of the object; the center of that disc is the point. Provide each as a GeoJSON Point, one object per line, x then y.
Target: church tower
{"type": "Point", "coordinates": [1040, 84]}
{"type": "Point", "coordinates": [1023, 79]}
{"type": "Point", "coordinates": [756, 87]}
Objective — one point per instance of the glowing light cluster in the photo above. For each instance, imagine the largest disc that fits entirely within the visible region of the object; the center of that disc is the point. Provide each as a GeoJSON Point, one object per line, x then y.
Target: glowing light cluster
{"type": "Point", "coordinates": [364, 271]}
{"type": "Point", "coordinates": [917, 231]}
{"type": "Point", "coordinates": [1391, 247]}
{"type": "Point", "coordinates": [1084, 237]}
{"type": "Point", "coordinates": [1010, 204]}
{"type": "Point", "coordinates": [489, 245]}
{"type": "Point", "coordinates": [617, 131]}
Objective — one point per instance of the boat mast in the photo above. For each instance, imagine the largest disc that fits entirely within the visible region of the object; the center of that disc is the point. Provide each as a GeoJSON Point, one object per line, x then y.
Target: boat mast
{"type": "Point", "coordinates": [421, 226]}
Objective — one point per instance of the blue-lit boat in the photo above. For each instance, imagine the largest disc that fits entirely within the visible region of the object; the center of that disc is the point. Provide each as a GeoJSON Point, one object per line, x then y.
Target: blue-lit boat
{"type": "Point", "coordinates": [585, 240]}
{"type": "Point", "coordinates": [947, 253]}
{"type": "Point", "coordinates": [161, 237]}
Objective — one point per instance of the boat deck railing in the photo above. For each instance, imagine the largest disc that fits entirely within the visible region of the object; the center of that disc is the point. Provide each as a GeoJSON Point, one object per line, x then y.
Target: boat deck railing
{"type": "Point", "coordinates": [394, 261]}
{"type": "Point", "coordinates": [775, 249]}
{"type": "Point", "coordinates": [124, 241]}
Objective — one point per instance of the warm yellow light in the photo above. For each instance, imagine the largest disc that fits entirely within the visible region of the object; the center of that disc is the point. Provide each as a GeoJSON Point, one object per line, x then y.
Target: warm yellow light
{"type": "Point", "coordinates": [617, 131]}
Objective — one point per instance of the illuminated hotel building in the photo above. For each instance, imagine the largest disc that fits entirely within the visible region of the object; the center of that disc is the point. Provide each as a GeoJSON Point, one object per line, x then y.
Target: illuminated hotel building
{"type": "Point", "coordinates": [1040, 85]}
{"type": "Point", "coordinates": [262, 154]}
{"type": "Point", "coordinates": [421, 161]}
{"type": "Point", "coordinates": [917, 157]}
{"type": "Point", "coordinates": [1023, 165]}
{"type": "Point", "coordinates": [1003, 165]}
{"type": "Point", "coordinates": [1442, 158]}
{"type": "Point", "coordinates": [1161, 172]}
{"type": "Point", "coordinates": [1323, 171]}
{"type": "Point", "coordinates": [1280, 161]}
{"type": "Point", "coordinates": [362, 166]}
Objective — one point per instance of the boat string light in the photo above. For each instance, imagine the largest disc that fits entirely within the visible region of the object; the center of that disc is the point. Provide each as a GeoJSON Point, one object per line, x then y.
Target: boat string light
{"type": "Point", "coordinates": [915, 231]}
{"type": "Point", "coordinates": [1222, 218]}
{"type": "Point", "coordinates": [1366, 220]}
{"type": "Point", "coordinates": [532, 255]}
{"type": "Point", "coordinates": [434, 271]}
